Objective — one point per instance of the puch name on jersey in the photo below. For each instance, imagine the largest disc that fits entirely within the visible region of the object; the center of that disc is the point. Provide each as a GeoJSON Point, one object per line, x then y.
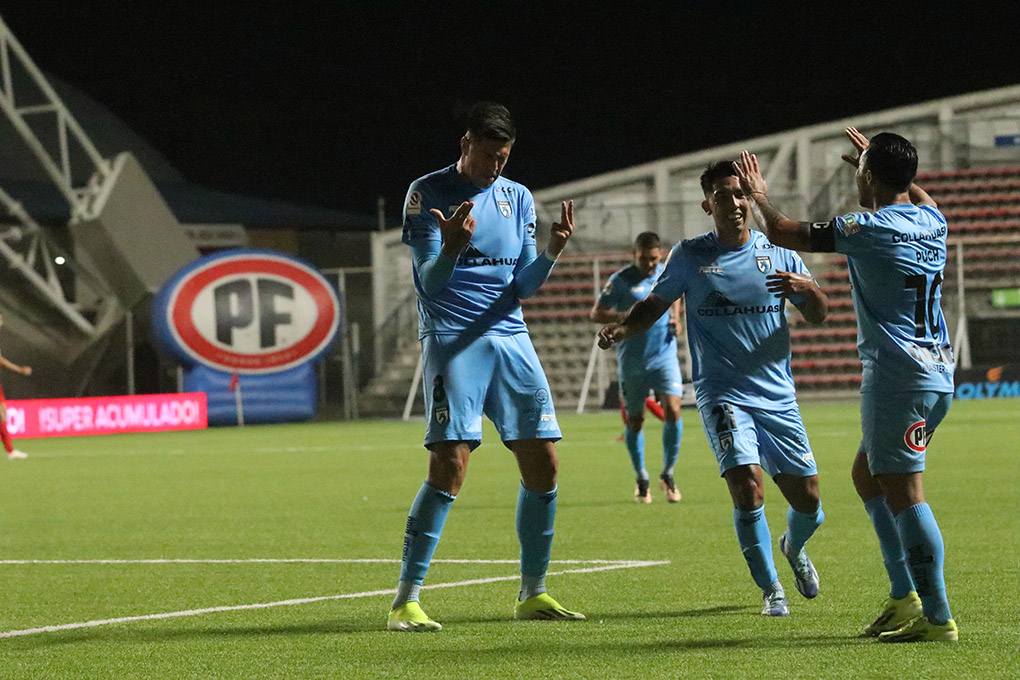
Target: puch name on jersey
{"type": "Point", "coordinates": [920, 236]}
{"type": "Point", "coordinates": [737, 309]}
{"type": "Point", "coordinates": [472, 257]}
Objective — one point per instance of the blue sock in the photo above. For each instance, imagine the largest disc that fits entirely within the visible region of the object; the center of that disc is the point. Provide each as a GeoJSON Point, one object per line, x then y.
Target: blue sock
{"type": "Point", "coordinates": [892, 549]}
{"type": "Point", "coordinates": [756, 544]}
{"type": "Point", "coordinates": [922, 542]}
{"type": "Point", "coordinates": [800, 526]}
{"type": "Point", "coordinates": [671, 433]}
{"type": "Point", "coordinates": [424, 527]}
{"type": "Point", "coordinates": [535, 514]}
{"type": "Point", "coordinates": [636, 448]}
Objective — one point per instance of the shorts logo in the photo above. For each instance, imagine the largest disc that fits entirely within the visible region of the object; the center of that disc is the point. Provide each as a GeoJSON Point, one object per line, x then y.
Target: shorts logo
{"type": "Point", "coordinates": [725, 424]}
{"type": "Point", "coordinates": [414, 203]}
{"type": "Point", "coordinates": [438, 392]}
{"type": "Point", "coordinates": [541, 395]}
{"type": "Point", "coordinates": [764, 263]}
{"type": "Point", "coordinates": [504, 208]}
{"type": "Point", "coordinates": [441, 414]}
{"type": "Point", "coordinates": [915, 437]}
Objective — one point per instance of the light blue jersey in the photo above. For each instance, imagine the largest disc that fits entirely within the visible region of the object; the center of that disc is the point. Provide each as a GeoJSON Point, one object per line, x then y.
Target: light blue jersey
{"type": "Point", "coordinates": [654, 348]}
{"type": "Point", "coordinates": [736, 329]}
{"type": "Point", "coordinates": [896, 258]}
{"type": "Point", "coordinates": [480, 298]}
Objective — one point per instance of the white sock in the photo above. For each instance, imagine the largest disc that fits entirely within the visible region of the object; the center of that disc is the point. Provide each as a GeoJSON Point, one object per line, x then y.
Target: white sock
{"type": "Point", "coordinates": [531, 586]}
{"type": "Point", "coordinates": [407, 591]}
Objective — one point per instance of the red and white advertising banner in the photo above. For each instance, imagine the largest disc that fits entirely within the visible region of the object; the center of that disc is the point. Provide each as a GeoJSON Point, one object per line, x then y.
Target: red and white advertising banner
{"type": "Point", "coordinates": [27, 418]}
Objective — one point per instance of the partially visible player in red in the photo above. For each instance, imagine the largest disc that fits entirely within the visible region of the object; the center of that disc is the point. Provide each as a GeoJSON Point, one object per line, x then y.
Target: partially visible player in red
{"type": "Point", "coordinates": [12, 453]}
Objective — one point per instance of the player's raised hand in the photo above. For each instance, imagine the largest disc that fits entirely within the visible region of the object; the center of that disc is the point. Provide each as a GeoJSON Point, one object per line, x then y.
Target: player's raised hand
{"type": "Point", "coordinates": [610, 335]}
{"type": "Point", "coordinates": [561, 230]}
{"type": "Point", "coordinates": [785, 284]}
{"type": "Point", "coordinates": [860, 143]}
{"type": "Point", "coordinates": [749, 174]}
{"type": "Point", "coordinates": [26, 370]}
{"type": "Point", "coordinates": [458, 229]}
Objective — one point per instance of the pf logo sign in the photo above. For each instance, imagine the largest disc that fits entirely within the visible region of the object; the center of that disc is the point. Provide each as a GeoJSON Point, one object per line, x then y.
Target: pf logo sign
{"type": "Point", "coordinates": [247, 312]}
{"type": "Point", "coordinates": [915, 437]}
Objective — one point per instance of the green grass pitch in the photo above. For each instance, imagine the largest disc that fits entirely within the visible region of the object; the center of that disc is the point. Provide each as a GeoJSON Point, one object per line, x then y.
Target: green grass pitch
{"type": "Point", "coordinates": [341, 491]}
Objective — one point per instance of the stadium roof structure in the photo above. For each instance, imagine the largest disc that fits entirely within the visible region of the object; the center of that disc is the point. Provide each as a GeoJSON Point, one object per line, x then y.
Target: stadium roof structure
{"type": "Point", "coordinates": [23, 178]}
{"type": "Point", "coordinates": [803, 166]}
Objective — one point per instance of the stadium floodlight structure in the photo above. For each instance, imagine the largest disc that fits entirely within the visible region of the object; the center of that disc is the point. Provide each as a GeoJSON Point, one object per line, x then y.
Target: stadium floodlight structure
{"type": "Point", "coordinates": [25, 95]}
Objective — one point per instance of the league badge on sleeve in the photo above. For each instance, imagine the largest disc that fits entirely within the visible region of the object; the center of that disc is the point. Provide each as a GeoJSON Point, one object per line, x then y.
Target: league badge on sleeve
{"type": "Point", "coordinates": [414, 203]}
{"type": "Point", "coordinates": [764, 263]}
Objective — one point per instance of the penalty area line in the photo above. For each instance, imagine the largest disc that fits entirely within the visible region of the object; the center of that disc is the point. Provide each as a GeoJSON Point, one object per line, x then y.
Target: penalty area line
{"type": "Point", "coordinates": [309, 600]}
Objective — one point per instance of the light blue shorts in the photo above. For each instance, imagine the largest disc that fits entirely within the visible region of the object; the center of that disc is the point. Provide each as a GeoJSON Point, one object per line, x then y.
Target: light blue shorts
{"type": "Point", "coordinates": [498, 375]}
{"type": "Point", "coordinates": [635, 385]}
{"type": "Point", "coordinates": [897, 426]}
{"type": "Point", "coordinates": [775, 440]}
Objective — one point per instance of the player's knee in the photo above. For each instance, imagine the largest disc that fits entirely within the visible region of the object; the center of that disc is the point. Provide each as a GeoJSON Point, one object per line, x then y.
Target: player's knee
{"type": "Point", "coordinates": [865, 484]}
{"type": "Point", "coordinates": [635, 423]}
{"type": "Point", "coordinates": [746, 488]}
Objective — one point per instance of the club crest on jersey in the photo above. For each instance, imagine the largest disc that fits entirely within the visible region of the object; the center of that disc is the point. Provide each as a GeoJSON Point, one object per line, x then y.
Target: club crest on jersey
{"type": "Point", "coordinates": [504, 208]}
{"type": "Point", "coordinates": [915, 437]}
{"type": "Point", "coordinates": [764, 263]}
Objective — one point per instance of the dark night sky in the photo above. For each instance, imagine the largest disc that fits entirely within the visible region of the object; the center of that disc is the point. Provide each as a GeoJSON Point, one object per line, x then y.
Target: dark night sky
{"type": "Point", "coordinates": [336, 103]}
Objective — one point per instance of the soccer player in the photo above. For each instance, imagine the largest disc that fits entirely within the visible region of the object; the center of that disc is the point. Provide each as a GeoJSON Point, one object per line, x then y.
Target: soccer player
{"type": "Point", "coordinates": [12, 453]}
{"type": "Point", "coordinates": [896, 255]}
{"type": "Point", "coordinates": [472, 238]}
{"type": "Point", "coordinates": [646, 362]}
{"type": "Point", "coordinates": [737, 285]}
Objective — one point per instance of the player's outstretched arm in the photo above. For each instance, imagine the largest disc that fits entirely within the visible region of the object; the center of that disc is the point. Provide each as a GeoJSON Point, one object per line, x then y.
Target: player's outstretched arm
{"type": "Point", "coordinates": [11, 366]}
{"type": "Point", "coordinates": [918, 196]}
{"type": "Point", "coordinates": [780, 229]}
{"type": "Point", "coordinates": [602, 314]}
{"type": "Point", "coordinates": [535, 270]}
{"type": "Point", "coordinates": [639, 319]}
{"type": "Point", "coordinates": [812, 301]}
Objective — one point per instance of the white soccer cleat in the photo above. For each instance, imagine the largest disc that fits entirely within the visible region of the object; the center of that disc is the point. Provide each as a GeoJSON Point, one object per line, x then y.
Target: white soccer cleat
{"type": "Point", "coordinates": [16, 455]}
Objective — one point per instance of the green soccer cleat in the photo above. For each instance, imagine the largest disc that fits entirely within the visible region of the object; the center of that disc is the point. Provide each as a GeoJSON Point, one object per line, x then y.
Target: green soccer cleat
{"type": "Point", "coordinates": [411, 619]}
{"type": "Point", "coordinates": [921, 629]}
{"type": "Point", "coordinates": [895, 613]}
{"type": "Point", "coordinates": [543, 607]}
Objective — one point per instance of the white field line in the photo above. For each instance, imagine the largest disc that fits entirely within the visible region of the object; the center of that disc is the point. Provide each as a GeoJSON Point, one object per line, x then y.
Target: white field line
{"type": "Point", "coordinates": [297, 560]}
{"type": "Point", "coordinates": [308, 600]}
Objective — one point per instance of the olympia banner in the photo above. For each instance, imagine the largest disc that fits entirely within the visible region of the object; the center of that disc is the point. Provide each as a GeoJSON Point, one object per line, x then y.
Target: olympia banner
{"type": "Point", "coordinates": [27, 418]}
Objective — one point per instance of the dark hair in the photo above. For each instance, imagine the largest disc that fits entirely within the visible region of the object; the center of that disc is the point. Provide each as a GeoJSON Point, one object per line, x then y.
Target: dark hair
{"type": "Point", "coordinates": [892, 161]}
{"type": "Point", "coordinates": [647, 240]}
{"type": "Point", "coordinates": [489, 120]}
{"type": "Point", "coordinates": [716, 171]}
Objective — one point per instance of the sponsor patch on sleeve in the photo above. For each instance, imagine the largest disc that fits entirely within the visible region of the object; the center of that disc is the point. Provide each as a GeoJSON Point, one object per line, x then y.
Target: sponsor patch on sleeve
{"type": "Point", "coordinates": [414, 203]}
{"type": "Point", "coordinates": [848, 225]}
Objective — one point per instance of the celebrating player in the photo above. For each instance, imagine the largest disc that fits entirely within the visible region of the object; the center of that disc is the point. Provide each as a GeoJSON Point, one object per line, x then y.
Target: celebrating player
{"type": "Point", "coordinates": [646, 362]}
{"type": "Point", "coordinates": [737, 284]}
{"type": "Point", "coordinates": [472, 237]}
{"type": "Point", "coordinates": [12, 453]}
{"type": "Point", "coordinates": [896, 256]}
